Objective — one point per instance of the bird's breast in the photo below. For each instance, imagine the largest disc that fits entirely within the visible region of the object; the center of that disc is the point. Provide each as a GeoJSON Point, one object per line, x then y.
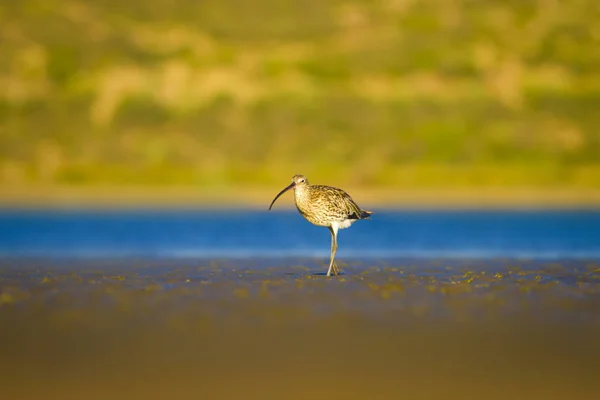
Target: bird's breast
{"type": "Point", "coordinates": [311, 215]}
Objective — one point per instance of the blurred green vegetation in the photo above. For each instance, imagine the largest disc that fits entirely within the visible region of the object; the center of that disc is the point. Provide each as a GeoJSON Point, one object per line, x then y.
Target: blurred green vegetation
{"type": "Point", "coordinates": [402, 93]}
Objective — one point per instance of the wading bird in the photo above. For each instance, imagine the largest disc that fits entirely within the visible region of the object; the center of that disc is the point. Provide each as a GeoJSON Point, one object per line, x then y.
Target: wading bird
{"type": "Point", "coordinates": [325, 206]}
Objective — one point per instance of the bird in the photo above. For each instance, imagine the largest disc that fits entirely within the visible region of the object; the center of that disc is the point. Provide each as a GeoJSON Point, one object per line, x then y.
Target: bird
{"type": "Point", "coordinates": [325, 206]}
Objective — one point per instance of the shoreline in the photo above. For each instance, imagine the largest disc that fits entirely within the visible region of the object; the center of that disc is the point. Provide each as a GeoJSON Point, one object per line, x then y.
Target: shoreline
{"type": "Point", "coordinates": [260, 197]}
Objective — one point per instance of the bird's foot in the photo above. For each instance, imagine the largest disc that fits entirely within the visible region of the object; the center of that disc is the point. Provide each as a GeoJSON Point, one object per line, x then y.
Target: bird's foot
{"type": "Point", "coordinates": [335, 269]}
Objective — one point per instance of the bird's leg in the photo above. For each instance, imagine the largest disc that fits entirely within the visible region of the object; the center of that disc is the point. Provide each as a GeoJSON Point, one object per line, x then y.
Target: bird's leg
{"type": "Point", "coordinates": [336, 270]}
{"type": "Point", "coordinates": [332, 267]}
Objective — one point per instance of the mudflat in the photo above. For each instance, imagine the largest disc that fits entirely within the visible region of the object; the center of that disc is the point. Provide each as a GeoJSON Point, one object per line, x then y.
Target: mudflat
{"type": "Point", "coordinates": [280, 329]}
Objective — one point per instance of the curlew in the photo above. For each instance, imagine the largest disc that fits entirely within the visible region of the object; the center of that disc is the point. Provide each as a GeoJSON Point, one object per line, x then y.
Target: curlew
{"type": "Point", "coordinates": [325, 206]}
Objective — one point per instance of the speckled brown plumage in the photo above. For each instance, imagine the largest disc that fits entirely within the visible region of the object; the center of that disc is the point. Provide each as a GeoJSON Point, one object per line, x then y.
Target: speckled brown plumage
{"type": "Point", "coordinates": [325, 206]}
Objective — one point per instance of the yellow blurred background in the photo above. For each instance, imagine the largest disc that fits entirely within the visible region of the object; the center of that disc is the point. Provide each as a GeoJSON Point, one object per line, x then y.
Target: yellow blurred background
{"type": "Point", "coordinates": [450, 100]}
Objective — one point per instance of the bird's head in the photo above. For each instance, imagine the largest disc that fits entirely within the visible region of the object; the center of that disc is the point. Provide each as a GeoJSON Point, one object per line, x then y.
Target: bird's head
{"type": "Point", "coordinates": [298, 181]}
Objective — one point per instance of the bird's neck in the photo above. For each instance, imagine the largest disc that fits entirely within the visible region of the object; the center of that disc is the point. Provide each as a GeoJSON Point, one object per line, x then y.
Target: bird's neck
{"type": "Point", "coordinates": [300, 195]}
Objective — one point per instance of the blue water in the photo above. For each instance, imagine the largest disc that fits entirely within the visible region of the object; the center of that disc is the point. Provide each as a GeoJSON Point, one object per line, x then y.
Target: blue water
{"type": "Point", "coordinates": [246, 233]}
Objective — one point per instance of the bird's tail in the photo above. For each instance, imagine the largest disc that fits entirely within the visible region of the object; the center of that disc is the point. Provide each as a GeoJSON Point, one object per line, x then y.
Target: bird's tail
{"type": "Point", "coordinates": [365, 214]}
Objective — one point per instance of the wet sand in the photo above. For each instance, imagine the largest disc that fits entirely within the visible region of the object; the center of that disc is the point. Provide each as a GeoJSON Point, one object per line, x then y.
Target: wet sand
{"type": "Point", "coordinates": [279, 329]}
{"type": "Point", "coordinates": [103, 196]}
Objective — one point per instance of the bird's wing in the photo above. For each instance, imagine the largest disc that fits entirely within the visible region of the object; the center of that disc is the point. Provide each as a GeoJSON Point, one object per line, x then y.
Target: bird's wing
{"type": "Point", "coordinates": [343, 203]}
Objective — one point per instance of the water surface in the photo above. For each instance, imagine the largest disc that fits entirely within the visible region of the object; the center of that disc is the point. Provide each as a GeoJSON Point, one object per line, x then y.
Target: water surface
{"type": "Point", "coordinates": [250, 233]}
{"type": "Point", "coordinates": [234, 304]}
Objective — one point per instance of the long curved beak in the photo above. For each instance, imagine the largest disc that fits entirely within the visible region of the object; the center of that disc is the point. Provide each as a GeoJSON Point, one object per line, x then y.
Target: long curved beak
{"type": "Point", "coordinates": [282, 192]}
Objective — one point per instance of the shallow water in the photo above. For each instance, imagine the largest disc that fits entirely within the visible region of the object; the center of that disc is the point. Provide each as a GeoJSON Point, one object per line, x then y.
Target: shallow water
{"type": "Point", "coordinates": [180, 304]}
{"type": "Point", "coordinates": [245, 233]}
